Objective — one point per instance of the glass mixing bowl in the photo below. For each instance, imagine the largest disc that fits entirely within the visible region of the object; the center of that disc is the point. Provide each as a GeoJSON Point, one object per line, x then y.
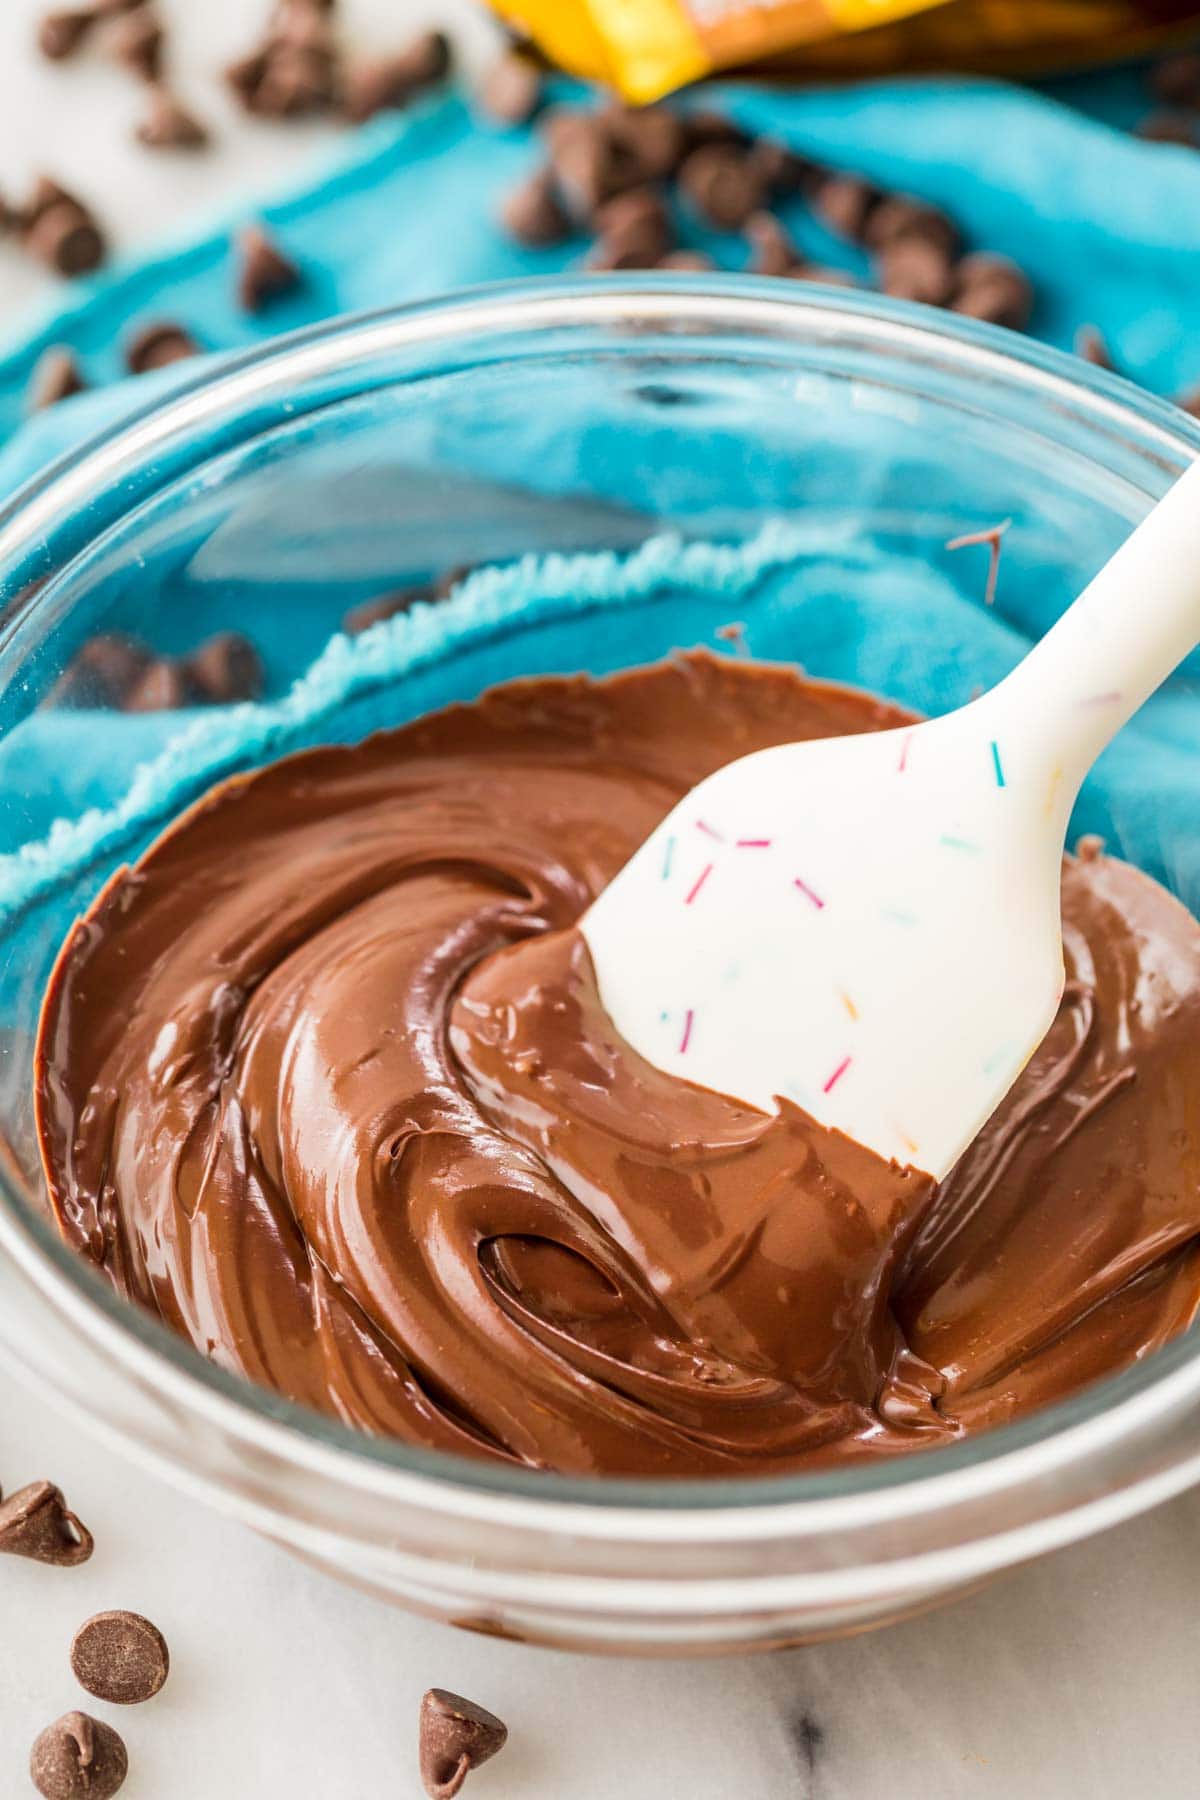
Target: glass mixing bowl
{"type": "Point", "coordinates": [279, 490]}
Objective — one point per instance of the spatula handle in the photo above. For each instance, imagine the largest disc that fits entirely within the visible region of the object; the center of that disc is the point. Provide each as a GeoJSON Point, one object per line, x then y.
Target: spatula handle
{"type": "Point", "coordinates": [1123, 636]}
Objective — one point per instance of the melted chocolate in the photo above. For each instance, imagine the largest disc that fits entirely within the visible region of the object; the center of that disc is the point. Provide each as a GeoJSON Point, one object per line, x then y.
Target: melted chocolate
{"type": "Point", "coordinates": [325, 1082]}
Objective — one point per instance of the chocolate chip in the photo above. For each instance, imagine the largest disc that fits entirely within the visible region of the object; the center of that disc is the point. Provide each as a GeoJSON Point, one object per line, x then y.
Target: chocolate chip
{"type": "Point", "coordinates": [511, 92]}
{"type": "Point", "coordinates": [158, 344]}
{"type": "Point", "coordinates": [912, 268]}
{"type": "Point", "coordinates": [168, 125]}
{"type": "Point", "coordinates": [822, 275]}
{"type": "Point", "coordinates": [704, 127]}
{"type": "Point", "coordinates": [1189, 402]}
{"type": "Point", "coordinates": [783, 170]}
{"type": "Point", "coordinates": [898, 217]}
{"type": "Point", "coordinates": [56, 377]}
{"type": "Point", "coordinates": [137, 44]}
{"type": "Point", "coordinates": [532, 212]}
{"type": "Point", "coordinates": [724, 183]}
{"type": "Point", "coordinates": [78, 1758]}
{"type": "Point", "coordinates": [694, 261]}
{"type": "Point", "coordinates": [265, 273]}
{"type": "Point", "coordinates": [1169, 128]}
{"type": "Point", "coordinates": [393, 81]}
{"type": "Point", "coordinates": [35, 1523]}
{"type": "Point", "coordinates": [387, 606]}
{"type": "Point", "coordinates": [60, 231]}
{"type": "Point", "coordinates": [994, 289]}
{"type": "Point", "coordinates": [120, 1657]}
{"type": "Point", "coordinates": [104, 671]}
{"type": "Point", "coordinates": [589, 165]}
{"type": "Point", "coordinates": [634, 231]}
{"type": "Point", "coordinates": [649, 140]}
{"type": "Point", "coordinates": [61, 33]}
{"type": "Point", "coordinates": [303, 25]}
{"type": "Point", "coordinates": [456, 1737]}
{"type": "Point", "coordinates": [1090, 847]}
{"type": "Point", "coordinates": [772, 251]}
{"type": "Point", "coordinates": [1176, 80]}
{"type": "Point", "coordinates": [293, 82]}
{"type": "Point", "coordinates": [163, 687]}
{"type": "Point", "coordinates": [845, 203]}
{"type": "Point", "coordinates": [245, 75]}
{"type": "Point", "coordinates": [1090, 345]}
{"type": "Point", "coordinates": [225, 668]}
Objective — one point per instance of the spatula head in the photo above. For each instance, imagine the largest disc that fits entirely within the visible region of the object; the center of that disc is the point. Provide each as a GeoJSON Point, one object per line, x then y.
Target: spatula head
{"type": "Point", "coordinates": [866, 926]}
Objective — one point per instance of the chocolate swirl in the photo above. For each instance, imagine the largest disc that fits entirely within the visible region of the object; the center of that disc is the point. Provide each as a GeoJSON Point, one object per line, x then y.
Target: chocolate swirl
{"type": "Point", "coordinates": [325, 1082]}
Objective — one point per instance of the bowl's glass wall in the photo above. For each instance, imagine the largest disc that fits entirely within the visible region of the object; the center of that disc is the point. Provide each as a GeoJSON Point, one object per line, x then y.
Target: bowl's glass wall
{"type": "Point", "coordinates": [561, 440]}
{"type": "Point", "coordinates": [383, 457]}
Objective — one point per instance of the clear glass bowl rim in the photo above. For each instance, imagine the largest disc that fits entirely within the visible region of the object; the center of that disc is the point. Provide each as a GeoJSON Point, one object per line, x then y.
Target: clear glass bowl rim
{"type": "Point", "coordinates": [1069, 1434]}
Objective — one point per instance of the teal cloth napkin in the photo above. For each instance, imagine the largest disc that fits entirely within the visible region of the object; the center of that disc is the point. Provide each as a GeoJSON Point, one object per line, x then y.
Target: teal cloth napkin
{"type": "Point", "coordinates": [1107, 226]}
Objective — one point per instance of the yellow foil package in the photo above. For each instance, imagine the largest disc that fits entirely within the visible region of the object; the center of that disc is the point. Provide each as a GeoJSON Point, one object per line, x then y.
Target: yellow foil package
{"type": "Point", "coordinates": [645, 48]}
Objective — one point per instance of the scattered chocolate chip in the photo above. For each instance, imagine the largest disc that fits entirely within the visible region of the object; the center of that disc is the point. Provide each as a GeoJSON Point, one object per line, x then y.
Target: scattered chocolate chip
{"type": "Point", "coordinates": [912, 268]}
{"type": "Point", "coordinates": [392, 81]}
{"type": "Point", "coordinates": [1176, 80]}
{"type": "Point", "coordinates": [822, 275]}
{"type": "Point", "coordinates": [704, 127]}
{"type": "Point", "coordinates": [162, 687]}
{"type": "Point", "coordinates": [634, 231]}
{"type": "Point", "coordinates": [456, 1737]}
{"type": "Point", "coordinates": [899, 218]}
{"type": "Point", "coordinates": [60, 231]}
{"type": "Point", "coordinates": [294, 82]}
{"type": "Point", "coordinates": [1089, 847]}
{"type": "Point", "coordinates": [244, 76]}
{"type": "Point", "coordinates": [994, 289]}
{"type": "Point", "coordinates": [772, 251]}
{"type": "Point", "coordinates": [1169, 128]}
{"type": "Point", "coordinates": [387, 606]}
{"type": "Point", "coordinates": [783, 170]}
{"type": "Point", "coordinates": [225, 668]}
{"type": "Point", "coordinates": [532, 212]}
{"type": "Point", "coordinates": [78, 1758]}
{"type": "Point", "coordinates": [1090, 345]}
{"type": "Point", "coordinates": [35, 1523]}
{"type": "Point", "coordinates": [156, 345]}
{"type": "Point", "coordinates": [845, 203]}
{"type": "Point", "coordinates": [511, 92]}
{"type": "Point", "coordinates": [649, 140]}
{"type": "Point", "coordinates": [168, 125]}
{"type": "Point", "coordinates": [693, 261]}
{"type": "Point", "coordinates": [589, 165]}
{"type": "Point", "coordinates": [56, 377]}
{"type": "Point", "coordinates": [264, 272]}
{"type": "Point", "coordinates": [1189, 402]}
{"type": "Point", "coordinates": [62, 32]}
{"type": "Point", "coordinates": [103, 673]}
{"type": "Point", "coordinates": [724, 183]}
{"type": "Point", "coordinates": [303, 25]}
{"type": "Point", "coordinates": [137, 44]}
{"type": "Point", "coordinates": [120, 1657]}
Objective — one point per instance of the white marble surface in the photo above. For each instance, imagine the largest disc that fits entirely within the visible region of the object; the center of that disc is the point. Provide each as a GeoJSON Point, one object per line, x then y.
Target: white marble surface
{"type": "Point", "coordinates": [1076, 1676]}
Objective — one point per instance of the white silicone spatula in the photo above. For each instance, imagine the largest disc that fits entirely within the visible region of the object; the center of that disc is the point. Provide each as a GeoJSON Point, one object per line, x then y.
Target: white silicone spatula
{"type": "Point", "coordinates": [870, 925]}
